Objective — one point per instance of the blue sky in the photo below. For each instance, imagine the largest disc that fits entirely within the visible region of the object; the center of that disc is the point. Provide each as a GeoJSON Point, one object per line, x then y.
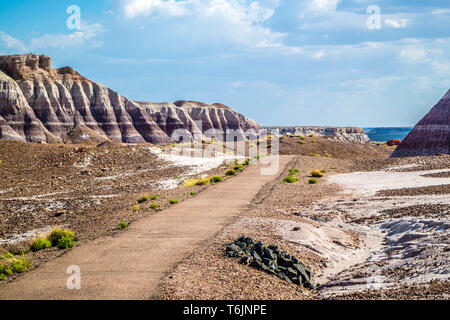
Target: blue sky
{"type": "Point", "coordinates": [280, 62]}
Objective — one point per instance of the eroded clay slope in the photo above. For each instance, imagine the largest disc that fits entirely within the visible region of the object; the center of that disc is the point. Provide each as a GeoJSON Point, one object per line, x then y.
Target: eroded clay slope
{"type": "Point", "coordinates": [39, 103]}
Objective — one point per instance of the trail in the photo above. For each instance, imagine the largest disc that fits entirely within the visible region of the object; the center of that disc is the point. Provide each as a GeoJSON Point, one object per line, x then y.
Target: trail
{"type": "Point", "coordinates": [132, 264]}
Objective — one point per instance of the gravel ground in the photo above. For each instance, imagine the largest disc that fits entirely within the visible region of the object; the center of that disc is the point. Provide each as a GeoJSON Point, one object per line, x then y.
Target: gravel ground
{"type": "Point", "coordinates": [208, 274]}
{"type": "Point", "coordinates": [422, 210]}
{"type": "Point", "coordinates": [444, 174]}
{"type": "Point", "coordinates": [433, 290]}
{"type": "Point", "coordinates": [86, 189]}
{"type": "Point", "coordinates": [440, 189]}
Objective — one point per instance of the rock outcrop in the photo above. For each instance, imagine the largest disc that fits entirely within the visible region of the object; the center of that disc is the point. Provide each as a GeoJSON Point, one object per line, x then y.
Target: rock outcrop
{"type": "Point", "coordinates": [350, 134]}
{"type": "Point", "coordinates": [39, 103]}
{"type": "Point", "coordinates": [431, 135]}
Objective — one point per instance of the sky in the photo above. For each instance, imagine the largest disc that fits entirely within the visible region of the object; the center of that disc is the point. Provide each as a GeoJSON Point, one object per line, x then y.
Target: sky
{"type": "Point", "coordinates": [363, 63]}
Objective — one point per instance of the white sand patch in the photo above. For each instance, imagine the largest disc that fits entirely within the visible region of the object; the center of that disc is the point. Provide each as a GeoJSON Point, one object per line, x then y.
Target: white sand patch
{"type": "Point", "coordinates": [191, 158]}
{"type": "Point", "coordinates": [368, 183]}
{"type": "Point", "coordinates": [331, 242]}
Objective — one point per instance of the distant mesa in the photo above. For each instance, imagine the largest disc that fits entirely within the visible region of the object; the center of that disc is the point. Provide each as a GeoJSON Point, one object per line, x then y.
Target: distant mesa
{"type": "Point", "coordinates": [40, 103]}
{"type": "Point", "coordinates": [431, 135]}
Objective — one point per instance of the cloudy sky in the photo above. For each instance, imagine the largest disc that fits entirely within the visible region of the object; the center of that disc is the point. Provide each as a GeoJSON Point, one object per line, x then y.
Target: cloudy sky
{"type": "Point", "coordinates": [280, 62]}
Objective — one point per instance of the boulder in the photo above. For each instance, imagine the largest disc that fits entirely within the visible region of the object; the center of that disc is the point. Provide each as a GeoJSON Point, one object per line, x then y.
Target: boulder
{"type": "Point", "coordinates": [393, 142]}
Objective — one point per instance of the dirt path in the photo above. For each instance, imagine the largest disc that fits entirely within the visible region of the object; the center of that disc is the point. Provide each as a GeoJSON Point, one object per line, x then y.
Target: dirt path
{"type": "Point", "coordinates": [132, 264]}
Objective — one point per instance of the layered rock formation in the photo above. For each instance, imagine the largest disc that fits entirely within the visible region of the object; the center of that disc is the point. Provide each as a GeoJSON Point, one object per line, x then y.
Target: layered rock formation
{"type": "Point", "coordinates": [39, 103]}
{"type": "Point", "coordinates": [350, 134]}
{"type": "Point", "coordinates": [431, 135]}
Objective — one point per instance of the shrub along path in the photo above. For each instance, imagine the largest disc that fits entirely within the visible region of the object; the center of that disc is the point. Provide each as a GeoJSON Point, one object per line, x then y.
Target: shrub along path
{"type": "Point", "coordinates": [131, 264]}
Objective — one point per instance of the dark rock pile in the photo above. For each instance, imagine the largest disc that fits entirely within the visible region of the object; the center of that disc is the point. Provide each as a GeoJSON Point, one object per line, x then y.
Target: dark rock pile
{"type": "Point", "coordinates": [271, 260]}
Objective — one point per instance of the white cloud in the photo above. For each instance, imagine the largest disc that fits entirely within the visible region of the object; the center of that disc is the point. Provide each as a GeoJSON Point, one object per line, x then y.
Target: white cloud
{"type": "Point", "coordinates": [233, 20]}
{"type": "Point", "coordinates": [441, 11]}
{"type": "Point", "coordinates": [397, 24]}
{"type": "Point", "coordinates": [135, 8]}
{"type": "Point", "coordinates": [319, 55]}
{"type": "Point", "coordinates": [413, 53]}
{"type": "Point", "coordinates": [323, 5]}
{"type": "Point", "coordinates": [12, 43]}
{"type": "Point", "coordinates": [83, 37]}
{"type": "Point", "coordinates": [86, 35]}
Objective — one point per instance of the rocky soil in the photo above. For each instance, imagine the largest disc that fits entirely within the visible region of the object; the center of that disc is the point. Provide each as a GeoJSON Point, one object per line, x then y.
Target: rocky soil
{"type": "Point", "coordinates": [359, 246]}
{"type": "Point", "coordinates": [86, 188]}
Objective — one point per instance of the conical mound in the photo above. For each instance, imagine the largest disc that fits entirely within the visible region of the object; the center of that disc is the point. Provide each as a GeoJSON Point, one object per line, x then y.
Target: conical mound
{"type": "Point", "coordinates": [431, 135]}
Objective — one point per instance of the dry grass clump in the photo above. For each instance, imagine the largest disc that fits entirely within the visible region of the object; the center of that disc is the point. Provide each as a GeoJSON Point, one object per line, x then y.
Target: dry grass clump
{"type": "Point", "coordinates": [316, 173]}
{"type": "Point", "coordinates": [144, 198]}
{"type": "Point", "coordinates": [10, 264]}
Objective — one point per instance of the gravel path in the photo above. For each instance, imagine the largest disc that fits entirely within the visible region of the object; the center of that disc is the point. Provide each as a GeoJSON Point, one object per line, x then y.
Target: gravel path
{"type": "Point", "coordinates": [132, 264]}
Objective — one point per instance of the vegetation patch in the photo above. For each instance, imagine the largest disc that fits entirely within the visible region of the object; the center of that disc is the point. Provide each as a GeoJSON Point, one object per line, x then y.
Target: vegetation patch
{"type": "Point", "coordinates": [122, 225]}
{"type": "Point", "coordinates": [314, 155]}
{"type": "Point", "coordinates": [216, 179]}
{"type": "Point", "coordinates": [136, 207]}
{"type": "Point", "coordinates": [312, 181]}
{"type": "Point", "coordinates": [154, 197]}
{"type": "Point", "coordinates": [290, 179]}
{"type": "Point", "coordinates": [144, 198]}
{"type": "Point", "coordinates": [230, 173]}
{"type": "Point", "coordinates": [10, 264]}
{"type": "Point", "coordinates": [39, 244]}
{"type": "Point", "coordinates": [154, 206]}
{"type": "Point", "coordinates": [65, 243]}
{"type": "Point", "coordinates": [316, 173]}
{"type": "Point", "coordinates": [173, 201]}
{"type": "Point", "coordinates": [57, 234]}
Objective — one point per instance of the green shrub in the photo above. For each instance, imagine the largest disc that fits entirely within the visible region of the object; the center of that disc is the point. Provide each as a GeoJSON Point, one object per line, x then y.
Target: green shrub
{"type": "Point", "coordinates": [314, 155]}
{"type": "Point", "coordinates": [7, 255]}
{"type": "Point", "coordinates": [144, 198]}
{"type": "Point", "coordinates": [39, 244]}
{"type": "Point", "coordinates": [14, 264]}
{"type": "Point", "coordinates": [2, 276]}
{"type": "Point", "coordinates": [312, 181]}
{"type": "Point", "coordinates": [238, 167]}
{"type": "Point", "coordinates": [122, 225]}
{"type": "Point", "coordinates": [136, 207]}
{"type": "Point", "coordinates": [323, 171]}
{"type": "Point", "coordinates": [247, 162]}
{"type": "Point", "coordinates": [173, 201]}
{"type": "Point", "coordinates": [154, 197]}
{"type": "Point", "coordinates": [1, 162]}
{"type": "Point", "coordinates": [290, 179]}
{"type": "Point", "coordinates": [316, 173]}
{"type": "Point", "coordinates": [192, 193]}
{"type": "Point", "coordinates": [154, 206]}
{"type": "Point", "coordinates": [65, 243]}
{"type": "Point", "coordinates": [216, 179]}
{"type": "Point", "coordinates": [230, 172]}
{"type": "Point", "coordinates": [293, 171]}
{"type": "Point", "coordinates": [301, 142]}
{"type": "Point", "coordinates": [57, 234]}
